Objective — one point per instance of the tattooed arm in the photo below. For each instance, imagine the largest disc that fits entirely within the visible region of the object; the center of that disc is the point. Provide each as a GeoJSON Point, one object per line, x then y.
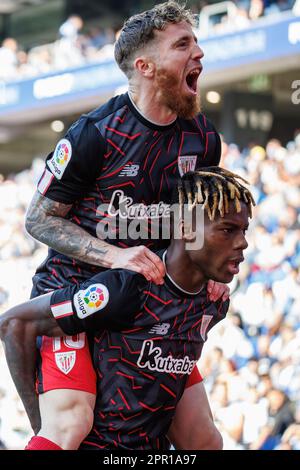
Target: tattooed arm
{"type": "Point", "coordinates": [19, 328]}
{"type": "Point", "coordinates": [45, 221]}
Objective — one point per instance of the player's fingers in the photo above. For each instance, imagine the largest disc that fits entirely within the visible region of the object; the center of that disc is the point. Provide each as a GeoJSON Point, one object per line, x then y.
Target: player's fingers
{"type": "Point", "coordinates": [217, 290]}
{"type": "Point", "coordinates": [151, 270]}
{"type": "Point", "coordinates": [157, 262]}
{"type": "Point", "coordinates": [210, 290]}
{"type": "Point", "coordinates": [226, 295]}
{"type": "Point", "coordinates": [139, 268]}
{"type": "Point", "coordinates": [210, 285]}
{"type": "Point", "coordinates": [213, 289]}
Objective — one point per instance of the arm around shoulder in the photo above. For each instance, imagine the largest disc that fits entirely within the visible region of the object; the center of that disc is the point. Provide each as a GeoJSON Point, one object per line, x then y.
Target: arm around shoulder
{"type": "Point", "coordinates": [19, 328]}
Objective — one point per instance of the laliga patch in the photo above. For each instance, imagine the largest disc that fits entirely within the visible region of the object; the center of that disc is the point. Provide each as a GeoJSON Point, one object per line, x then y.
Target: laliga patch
{"type": "Point", "coordinates": [60, 158]}
{"type": "Point", "coordinates": [186, 163]}
{"type": "Point", "coordinates": [91, 300]}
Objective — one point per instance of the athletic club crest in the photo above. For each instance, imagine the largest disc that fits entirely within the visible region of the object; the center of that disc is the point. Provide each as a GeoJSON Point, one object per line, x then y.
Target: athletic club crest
{"type": "Point", "coordinates": [186, 163]}
{"type": "Point", "coordinates": [65, 361]}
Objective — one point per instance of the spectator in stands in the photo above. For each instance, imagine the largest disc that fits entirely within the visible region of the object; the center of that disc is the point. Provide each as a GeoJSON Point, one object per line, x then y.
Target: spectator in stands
{"type": "Point", "coordinates": [256, 9]}
{"type": "Point", "coordinates": [3, 295]}
{"type": "Point", "coordinates": [255, 415]}
{"type": "Point", "coordinates": [281, 415]}
{"type": "Point", "coordinates": [8, 59]}
{"type": "Point", "coordinates": [228, 416]}
{"type": "Point", "coordinates": [68, 49]}
{"type": "Point", "coordinates": [71, 27]}
{"type": "Point", "coordinates": [291, 437]}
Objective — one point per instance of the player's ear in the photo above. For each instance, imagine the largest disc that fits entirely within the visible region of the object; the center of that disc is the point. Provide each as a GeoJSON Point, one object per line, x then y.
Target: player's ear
{"type": "Point", "coordinates": [144, 66]}
{"type": "Point", "coordinates": [185, 230]}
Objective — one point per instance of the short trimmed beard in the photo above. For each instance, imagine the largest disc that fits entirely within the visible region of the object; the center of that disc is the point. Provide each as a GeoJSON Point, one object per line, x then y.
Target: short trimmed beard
{"type": "Point", "coordinates": [186, 107]}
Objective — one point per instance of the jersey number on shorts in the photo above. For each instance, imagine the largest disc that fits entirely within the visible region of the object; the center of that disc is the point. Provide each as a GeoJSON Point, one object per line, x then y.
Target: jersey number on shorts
{"type": "Point", "coordinates": [72, 342]}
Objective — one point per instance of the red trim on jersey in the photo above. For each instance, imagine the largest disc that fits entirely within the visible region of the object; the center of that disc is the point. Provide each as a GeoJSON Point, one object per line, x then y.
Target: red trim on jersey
{"type": "Point", "coordinates": [124, 134]}
{"type": "Point", "coordinates": [41, 443]}
{"type": "Point", "coordinates": [116, 147]}
{"type": "Point", "coordinates": [158, 298]}
{"type": "Point", "coordinates": [206, 142]}
{"type": "Point", "coordinates": [194, 378]}
{"type": "Point", "coordinates": [168, 390]}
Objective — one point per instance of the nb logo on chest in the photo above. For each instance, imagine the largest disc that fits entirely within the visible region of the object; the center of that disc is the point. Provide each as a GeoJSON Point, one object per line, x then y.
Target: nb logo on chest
{"type": "Point", "coordinates": [130, 171]}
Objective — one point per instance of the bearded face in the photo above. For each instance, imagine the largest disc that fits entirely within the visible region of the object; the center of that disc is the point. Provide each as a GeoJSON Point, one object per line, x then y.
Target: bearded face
{"type": "Point", "coordinates": [172, 61]}
{"type": "Point", "coordinates": [169, 86]}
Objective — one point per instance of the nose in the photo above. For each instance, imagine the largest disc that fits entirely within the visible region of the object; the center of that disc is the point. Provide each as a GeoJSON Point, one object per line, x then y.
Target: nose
{"type": "Point", "coordinates": [197, 52]}
{"type": "Point", "coordinates": [241, 242]}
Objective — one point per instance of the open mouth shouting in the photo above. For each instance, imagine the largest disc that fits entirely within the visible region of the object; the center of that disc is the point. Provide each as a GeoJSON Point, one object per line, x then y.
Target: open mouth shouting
{"type": "Point", "coordinates": [233, 265]}
{"type": "Point", "coordinates": [192, 79]}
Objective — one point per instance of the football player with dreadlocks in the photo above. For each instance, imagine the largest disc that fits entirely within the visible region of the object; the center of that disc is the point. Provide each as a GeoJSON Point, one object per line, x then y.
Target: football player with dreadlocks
{"type": "Point", "coordinates": [145, 350]}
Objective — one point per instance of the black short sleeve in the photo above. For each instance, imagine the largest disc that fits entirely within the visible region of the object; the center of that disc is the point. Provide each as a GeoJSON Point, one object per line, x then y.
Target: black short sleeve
{"type": "Point", "coordinates": [213, 145]}
{"type": "Point", "coordinates": [110, 299]}
{"type": "Point", "coordinates": [216, 154]}
{"type": "Point", "coordinates": [74, 164]}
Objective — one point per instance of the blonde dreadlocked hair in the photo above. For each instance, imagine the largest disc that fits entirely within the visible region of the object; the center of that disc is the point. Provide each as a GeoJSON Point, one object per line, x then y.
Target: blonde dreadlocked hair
{"type": "Point", "coordinates": [214, 188]}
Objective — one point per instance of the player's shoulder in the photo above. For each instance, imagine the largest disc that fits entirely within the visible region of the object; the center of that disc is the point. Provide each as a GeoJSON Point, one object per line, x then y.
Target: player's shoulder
{"type": "Point", "coordinates": [200, 122]}
{"type": "Point", "coordinates": [85, 125]}
{"type": "Point", "coordinates": [110, 107]}
{"type": "Point", "coordinates": [219, 308]}
{"type": "Point", "coordinates": [127, 277]}
{"type": "Point", "coordinates": [126, 285]}
{"type": "Point", "coordinates": [205, 122]}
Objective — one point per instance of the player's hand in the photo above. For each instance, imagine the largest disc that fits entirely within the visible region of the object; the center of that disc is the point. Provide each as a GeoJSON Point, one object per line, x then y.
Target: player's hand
{"type": "Point", "coordinates": [217, 290]}
{"type": "Point", "coordinates": [141, 260]}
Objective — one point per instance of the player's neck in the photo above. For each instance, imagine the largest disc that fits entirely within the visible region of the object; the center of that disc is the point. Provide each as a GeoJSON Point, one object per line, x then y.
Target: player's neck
{"type": "Point", "coordinates": [182, 272]}
{"type": "Point", "coordinates": [148, 104]}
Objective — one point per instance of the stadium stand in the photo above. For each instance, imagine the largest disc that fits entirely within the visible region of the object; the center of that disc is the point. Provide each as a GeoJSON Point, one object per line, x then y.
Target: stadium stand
{"type": "Point", "coordinates": [73, 47]}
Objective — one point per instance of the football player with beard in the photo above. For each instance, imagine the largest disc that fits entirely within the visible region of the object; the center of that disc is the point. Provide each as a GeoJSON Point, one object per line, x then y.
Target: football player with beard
{"type": "Point", "coordinates": [137, 144]}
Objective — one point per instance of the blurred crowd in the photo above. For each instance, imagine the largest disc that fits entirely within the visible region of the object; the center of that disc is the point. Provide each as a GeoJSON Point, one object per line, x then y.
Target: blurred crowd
{"type": "Point", "coordinates": [239, 14]}
{"type": "Point", "coordinates": [78, 44]}
{"type": "Point", "coordinates": [71, 49]}
{"type": "Point", "coordinates": [251, 361]}
{"type": "Point", "coordinates": [19, 257]}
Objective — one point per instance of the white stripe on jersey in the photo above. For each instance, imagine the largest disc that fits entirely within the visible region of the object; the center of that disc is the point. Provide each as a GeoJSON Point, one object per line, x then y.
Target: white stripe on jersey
{"type": "Point", "coordinates": [63, 309]}
{"type": "Point", "coordinates": [45, 181]}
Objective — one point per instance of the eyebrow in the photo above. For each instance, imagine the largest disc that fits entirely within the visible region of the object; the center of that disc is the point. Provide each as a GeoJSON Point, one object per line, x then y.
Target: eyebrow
{"type": "Point", "coordinates": [187, 37]}
{"type": "Point", "coordinates": [232, 224]}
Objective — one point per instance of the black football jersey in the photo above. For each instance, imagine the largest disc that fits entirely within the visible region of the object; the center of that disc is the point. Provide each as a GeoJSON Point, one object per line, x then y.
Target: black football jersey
{"type": "Point", "coordinates": [147, 340]}
{"type": "Point", "coordinates": [114, 160]}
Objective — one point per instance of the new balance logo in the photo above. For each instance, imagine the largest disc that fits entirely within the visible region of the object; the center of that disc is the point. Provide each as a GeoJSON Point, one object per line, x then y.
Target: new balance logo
{"type": "Point", "coordinates": [130, 170]}
{"type": "Point", "coordinates": [160, 329]}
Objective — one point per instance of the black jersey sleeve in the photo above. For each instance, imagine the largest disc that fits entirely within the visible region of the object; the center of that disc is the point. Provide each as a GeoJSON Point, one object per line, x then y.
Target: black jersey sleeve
{"type": "Point", "coordinates": [213, 145]}
{"type": "Point", "coordinates": [110, 299]}
{"type": "Point", "coordinates": [215, 154]}
{"type": "Point", "coordinates": [75, 163]}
